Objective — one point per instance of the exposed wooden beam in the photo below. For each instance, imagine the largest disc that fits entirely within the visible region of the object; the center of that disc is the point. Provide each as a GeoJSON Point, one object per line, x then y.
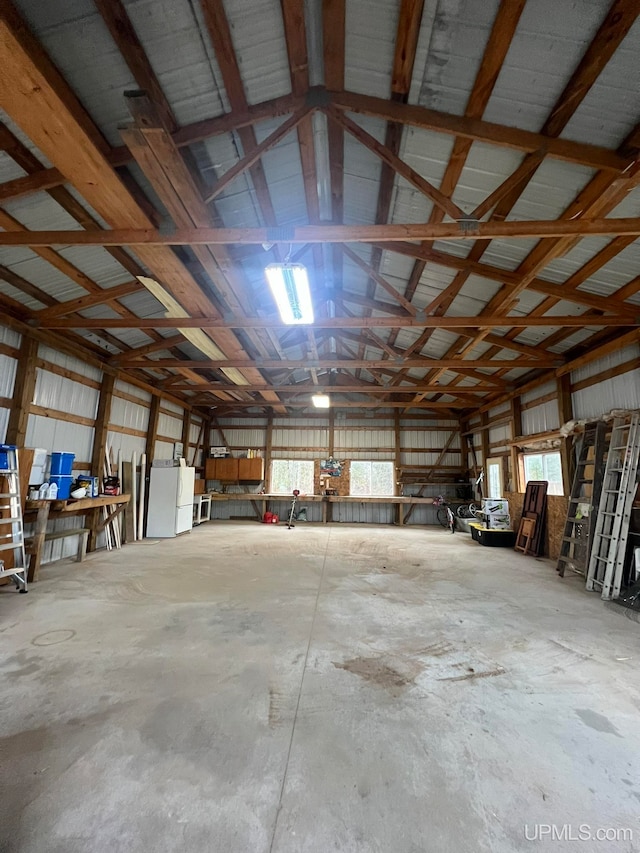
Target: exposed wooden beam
{"type": "Point", "coordinates": [123, 33]}
{"type": "Point", "coordinates": [512, 230]}
{"type": "Point", "coordinates": [346, 364]}
{"type": "Point", "coordinates": [59, 309]}
{"type": "Point", "coordinates": [364, 388]}
{"type": "Point", "coordinates": [479, 130]}
{"type": "Point", "coordinates": [391, 159]}
{"type": "Point", "coordinates": [481, 321]}
{"type": "Point", "coordinates": [348, 404]}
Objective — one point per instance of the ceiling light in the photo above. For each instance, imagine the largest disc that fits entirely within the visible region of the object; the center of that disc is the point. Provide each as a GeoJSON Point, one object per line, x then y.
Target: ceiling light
{"type": "Point", "coordinates": [289, 284]}
{"type": "Point", "coordinates": [321, 401]}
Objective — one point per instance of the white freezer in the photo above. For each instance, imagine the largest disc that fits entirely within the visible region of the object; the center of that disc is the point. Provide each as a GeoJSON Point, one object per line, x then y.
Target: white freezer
{"type": "Point", "coordinates": [170, 501]}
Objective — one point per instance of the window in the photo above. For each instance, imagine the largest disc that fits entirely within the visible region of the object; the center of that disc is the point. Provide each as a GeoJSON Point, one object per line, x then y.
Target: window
{"type": "Point", "coordinates": [290, 474]}
{"type": "Point", "coordinates": [493, 483]}
{"type": "Point", "coordinates": [369, 479]}
{"type": "Point", "coordinates": [544, 466]}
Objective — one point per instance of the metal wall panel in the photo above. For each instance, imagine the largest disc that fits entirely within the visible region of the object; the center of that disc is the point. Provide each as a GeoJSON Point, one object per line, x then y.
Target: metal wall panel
{"type": "Point", "coordinates": [70, 362]}
{"type": "Point", "coordinates": [60, 436]}
{"type": "Point", "coordinates": [172, 407]}
{"type": "Point", "coordinates": [311, 437]}
{"type": "Point", "coordinates": [606, 363]}
{"type": "Point", "coordinates": [169, 427]}
{"type": "Point", "coordinates": [8, 367]}
{"type": "Point", "coordinates": [4, 423]}
{"type": "Point", "coordinates": [427, 439]}
{"type": "Point", "coordinates": [133, 390]}
{"type": "Point", "coordinates": [541, 418]}
{"type": "Point", "coordinates": [127, 414]}
{"type": "Point", "coordinates": [65, 395]}
{"type": "Point", "coordinates": [249, 437]}
{"type": "Point", "coordinates": [620, 392]}
{"type": "Point", "coordinates": [10, 337]}
{"type": "Point", "coordinates": [125, 444]}
{"type": "Point", "coordinates": [536, 393]}
{"type": "Point", "coordinates": [346, 440]}
{"type": "Point", "coordinates": [163, 450]}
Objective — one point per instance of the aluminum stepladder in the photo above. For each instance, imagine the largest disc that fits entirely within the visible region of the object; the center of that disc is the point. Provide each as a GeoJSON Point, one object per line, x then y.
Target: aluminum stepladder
{"type": "Point", "coordinates": [612, 524]}
{"type": "Point", "coordinates": [577, 540]}
{"type": "Point", "coordinates": [11, 523]}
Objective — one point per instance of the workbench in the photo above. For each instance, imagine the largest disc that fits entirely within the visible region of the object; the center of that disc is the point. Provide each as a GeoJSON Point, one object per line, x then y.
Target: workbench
{"type": "Point", "coordinates": [43, 511]}
{"type": "Point", "coordinates": [264, 503]}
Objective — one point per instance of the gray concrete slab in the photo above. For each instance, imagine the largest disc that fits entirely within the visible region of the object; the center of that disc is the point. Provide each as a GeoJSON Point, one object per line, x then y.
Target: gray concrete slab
{"type": "Point", "coordinates": [354, 688]}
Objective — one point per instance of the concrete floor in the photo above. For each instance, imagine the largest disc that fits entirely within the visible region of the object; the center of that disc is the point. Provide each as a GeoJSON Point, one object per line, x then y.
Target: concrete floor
{"type": "Point", "coordinates": [249, 689]}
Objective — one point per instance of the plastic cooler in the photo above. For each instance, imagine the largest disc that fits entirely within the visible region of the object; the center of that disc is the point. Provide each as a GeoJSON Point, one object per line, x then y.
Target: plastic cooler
{"type": "Point", "coordinates": [62, 464]}
{"type": "Point", "coordinates": [63, 482]}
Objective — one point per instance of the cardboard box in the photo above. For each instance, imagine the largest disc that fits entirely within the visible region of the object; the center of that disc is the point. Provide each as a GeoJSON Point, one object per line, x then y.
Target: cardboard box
{"type": "Point", "coordinates": [495, 506]}
{"type": "Point", "coordinates": [498, 522]}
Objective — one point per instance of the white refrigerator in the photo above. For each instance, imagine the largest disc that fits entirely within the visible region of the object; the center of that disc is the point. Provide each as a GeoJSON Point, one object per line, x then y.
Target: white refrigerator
{"type": "Point", "coordinates": [170, 501]}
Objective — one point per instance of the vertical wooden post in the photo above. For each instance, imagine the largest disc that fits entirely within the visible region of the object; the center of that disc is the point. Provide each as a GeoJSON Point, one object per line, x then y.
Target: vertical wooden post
{"type": "Point", "coordinates": [186, 431]}
{"type": "Point", "coordinates": [102, 426]}
{"type": "Point", "coordinates": [23, 392]}
{"type": "Point", "coordinates": [332, 425]}
{"type": "Point", "coordinates": [565, 414]}
{"type": "Point", "coordinates": [268, 452]}
{"type": "Point", "coordinates": [100, 433]}
{"type": "Point", "coordinates": [152, 430]}
{"type": "Point", "coordinates": [516, 430]}
{"type": "Point", "coordinates": [484, 438]}
{"type": "Point", "coordinates": [398, 452]}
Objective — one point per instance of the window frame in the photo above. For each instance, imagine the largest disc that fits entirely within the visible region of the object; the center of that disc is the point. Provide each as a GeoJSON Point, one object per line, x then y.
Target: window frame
{"type": "Point", "coordinates": [309, 462]}
{"type": "Point", "coordinates": [372, 462]}
{"type": "Point", "coordinates": [543, 453]}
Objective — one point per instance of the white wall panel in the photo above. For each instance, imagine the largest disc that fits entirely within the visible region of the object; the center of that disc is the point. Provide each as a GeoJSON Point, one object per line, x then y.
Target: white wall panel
{"type": "Point", "coordinates": [620, 392]}
{"type": "Point", "coordinates": [540, 391]}
{"type": "Point", "coordinates": [57, 392]}
{"type": "Point", "coordinates": [169, 427]}
{"type": "Point", "coordinates": [68, 361]}
{"type": "Point", "coordinates": [170, 406]}
{"type": "Point", "coordinates": [249, 437]}
{"type": "Point", "coordinates": [427, 439]}
{"type": "Point", "coordinates": [4, 423]}
{"type": "Point", "coordinates": [60, 436]}
{"type": "Point", "coordinates": [10, 337]}
{"type": "Point", "coordinates": [541, 418]}
{"type": "Point", "coordinates": [163, 450]}
{"type": "Point", "coordinates": [133, 390]}
{"type": "Point", "coordinates": [310, 437]}
{"type": "Point", "coordinates": [606, 363]}
{"type": "Point", "coordinates": [127, 414]}
{"type": "Point", "coordinates": [8, 367]}
{"type": "Point", "coordinates": [499, 411]}
{"type": "Point", "coordinates": [120, 442]}
{"type": "Point", "coordinates": [346, 440]}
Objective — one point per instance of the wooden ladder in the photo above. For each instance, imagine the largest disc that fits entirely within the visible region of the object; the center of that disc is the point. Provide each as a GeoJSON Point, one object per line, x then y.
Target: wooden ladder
{"type": "Point", "coordinates": [577, 539]}
{"type": "Point", "coordinates": [612, 524]}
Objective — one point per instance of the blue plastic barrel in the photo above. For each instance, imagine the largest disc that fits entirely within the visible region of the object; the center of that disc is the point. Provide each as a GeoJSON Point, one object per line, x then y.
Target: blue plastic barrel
{"type": "Point", "coordinates": [62, 463]}
{"type": "Point", "coordinates": [63, 483]}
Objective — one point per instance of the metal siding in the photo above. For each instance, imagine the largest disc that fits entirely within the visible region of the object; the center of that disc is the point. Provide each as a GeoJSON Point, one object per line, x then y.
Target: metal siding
{"type": "Point", "coordinates": [69, 362]}
{"type": "Point", "coordinates": [606, 363]}
{"type": "Point", "coordinates": [60, 436]}
{"type": "Point", "coordinates": [124, 413]}
{"type": "Point", "coordinates": [369, 48]}
{"type": "Point", "coordinates": [169, 427]}
{"type": "Point", "coordinates": [134, 390]}
{"type": "Point", "coordinates": [57, 392]}
{"type": "Point", "coordinates": [4, 423]}
{"type": "Point", "coordinates": [10, 337]}
{"type": "Point", "coordinates": [540, 391]}
{"type": "Point", "coordinates": [125, 444]}
{"type": "Point", "coordinates": [541, 418]}
{"type": "Point", "coordinates": [163, 450]}
{"type": "Point", "coordinates": [620, 392]}
{"type": "Point", "coordinates": [8, 368]}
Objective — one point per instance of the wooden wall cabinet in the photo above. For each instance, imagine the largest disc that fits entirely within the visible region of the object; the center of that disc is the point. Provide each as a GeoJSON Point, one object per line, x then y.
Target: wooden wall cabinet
{"type": "Point", "coordinates": [234, 470]}
{"type": "Point", "coordinates": [251, 469]}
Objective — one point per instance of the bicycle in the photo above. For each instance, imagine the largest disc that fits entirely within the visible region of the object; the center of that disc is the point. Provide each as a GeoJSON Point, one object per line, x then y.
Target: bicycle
{"type": "Point", "coordinates": [445, 514]}
{"type": "Point", "coordinates": [467, 510]}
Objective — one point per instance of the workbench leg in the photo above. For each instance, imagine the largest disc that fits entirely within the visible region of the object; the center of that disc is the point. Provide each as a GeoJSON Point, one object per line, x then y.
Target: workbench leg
{"type": "Point", "coordinates": [38, 542]}
{"type": "Point", "coordinates": [400, 515]}
{"type": "Point", "coordinates": [93, 517]}
{"type": "Point", "coordinates": [324, 512]}
{"type": "Point", "coordinates": [82, 547]}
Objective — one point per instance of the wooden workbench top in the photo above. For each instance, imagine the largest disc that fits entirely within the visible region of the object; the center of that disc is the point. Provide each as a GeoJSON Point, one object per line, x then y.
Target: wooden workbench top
{"type": "Point", "coordinates": [73, 505]}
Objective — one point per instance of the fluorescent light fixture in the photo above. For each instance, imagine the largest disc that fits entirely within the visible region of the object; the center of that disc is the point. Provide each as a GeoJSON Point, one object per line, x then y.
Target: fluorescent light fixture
{"type": "Point", "coordinates": [289, 284]}
{"type": "Point", "coordinates": [321, 401]}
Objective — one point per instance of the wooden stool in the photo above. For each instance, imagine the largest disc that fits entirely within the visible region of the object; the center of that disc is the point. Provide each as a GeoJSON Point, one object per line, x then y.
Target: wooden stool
{"type": "Point", "coordinates": [525, 534]}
